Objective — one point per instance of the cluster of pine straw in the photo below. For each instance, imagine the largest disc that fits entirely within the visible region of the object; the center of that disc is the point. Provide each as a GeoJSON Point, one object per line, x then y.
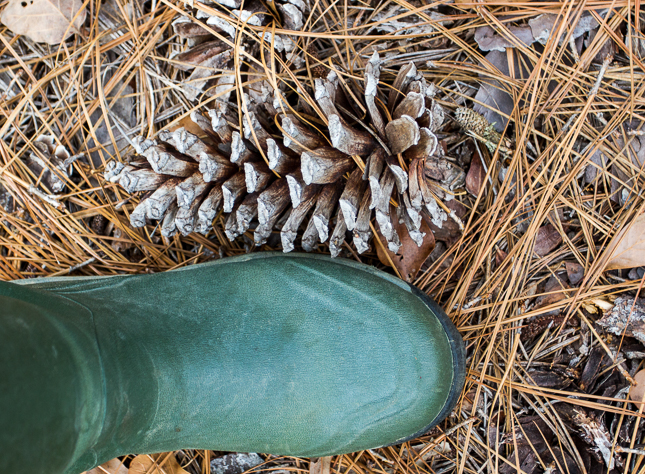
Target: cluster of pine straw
{"type": "Point", "coordinates": [521, 282]}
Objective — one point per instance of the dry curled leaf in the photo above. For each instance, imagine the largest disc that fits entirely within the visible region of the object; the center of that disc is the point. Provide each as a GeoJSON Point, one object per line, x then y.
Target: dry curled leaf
{"type": "Point", "coordinates": [44, 21]}
{"type": "Point", "coordinates": [162, 463]}
{"type": "Point", "coordinates": [489, 40]}
{"type": "Point", "coordinates": [547, 239]}
{"type": "Point", "coordinates": [476, 175]}
{"type": "Point", "coordinates": [320, 465]}
{"type": "Point", "coordinates": [575, 272]}
{"type": "Point", "coordinates": [627, 248]}
{"type": "Point", "coordinates": [637, 392]}
{"type": "Point", "coordinates": [410, 257]}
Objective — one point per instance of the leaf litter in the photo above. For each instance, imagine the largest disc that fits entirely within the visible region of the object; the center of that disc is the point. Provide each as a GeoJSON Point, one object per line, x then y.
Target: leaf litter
{"type": "Point", "coordinates": [540, 266]}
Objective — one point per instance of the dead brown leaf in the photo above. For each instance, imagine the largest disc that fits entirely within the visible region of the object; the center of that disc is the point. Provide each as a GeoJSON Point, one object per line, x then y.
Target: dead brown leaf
{"type": "Point", "coordinates": [162, 463]}
{"type": "Point", "coordinates": [637, 392]}
{"type": "Point", "coordinates": [575, 272]}
{"type": "Point", "coordinates": [627, 248]}
{"type": "Point", "coordinates": [476, 175]}
{"type": "Point", "coordinates": [113, 466]}
{"type": "Point", "coordinates": [44, 21]}
{"type": "Point", "coordinates": [547, 239]}
{"type": "Point", "coordinates": [409, 258]}
{"type": "Point", "coordinates": [320, 465]}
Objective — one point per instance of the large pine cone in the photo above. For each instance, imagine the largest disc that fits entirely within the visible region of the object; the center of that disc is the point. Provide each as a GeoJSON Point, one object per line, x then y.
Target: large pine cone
{"type": "Point", "coordinates": [325, 184]}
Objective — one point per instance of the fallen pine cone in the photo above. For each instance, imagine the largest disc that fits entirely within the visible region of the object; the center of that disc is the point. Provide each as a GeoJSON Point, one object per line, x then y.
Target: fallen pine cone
{"type": "Point", "coordinates": [325, 183]}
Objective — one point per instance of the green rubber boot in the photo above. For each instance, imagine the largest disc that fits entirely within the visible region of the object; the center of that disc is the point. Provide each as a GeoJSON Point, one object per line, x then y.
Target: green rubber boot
{"type": "Point", "coordinates": [292, 355]}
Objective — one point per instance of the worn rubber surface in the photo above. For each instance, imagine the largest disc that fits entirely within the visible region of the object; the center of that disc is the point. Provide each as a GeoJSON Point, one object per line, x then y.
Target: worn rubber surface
{"type": "Point", "coordinates": [285, 354]}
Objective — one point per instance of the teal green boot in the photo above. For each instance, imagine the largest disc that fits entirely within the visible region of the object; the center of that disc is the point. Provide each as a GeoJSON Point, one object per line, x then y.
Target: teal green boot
{"type": "Point", "coordinates": [293, 355]}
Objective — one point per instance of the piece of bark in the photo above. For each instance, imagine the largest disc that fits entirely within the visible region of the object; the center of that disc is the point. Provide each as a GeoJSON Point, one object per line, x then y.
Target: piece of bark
{"type": "Point", "coordinates": [325, 165]}
{"type": "Point", "coordinates": [373, 171]}
{"type": "Point", "coordinates": [338, 235]}
{"type": "Point", "coordinates": [247, 211]}
{"type": "Point", "coordinates": [405, 75]}
{"type": "Point", "coordinates": [325, 205]}
{"type": "Point", "coordinates": [290, 229]}
{"type": "Point", "coordinates": [426, 146]}
{"type": "Point", "coordinates": [169, 162]}
{"type": "Point", "coordinates": [232, 189]}
{"type": "Point", "coordinates": [412, 105]}
{"type": "Point", "coordinates": [402, 133]}
{"type": "Point", "coordinates": [198, 54]}
{"type": "Point", "coordinates": [215, 167]}
{"type": "Point", "coordinates": [138, 215]}
{"type": "Point", "coordinates": [372, 75]}
{"type": "Point", "coordinates": [362, 232]}
{"type": "Point", "coordinates": [546, 240]}
{"type": "Point", "coordinates": [626, 318]}
{"type": "Point", "coordinates": [209, 209]}
{"type": "Point", "coordinates": [187, 217]}
{"type": "Point", "coordinates": [280, 161]}
{"type": "Point", "coordinates": [257, 175]}
{"type": "Point", "coordinates": [298, 137]}
{"type": "Point", "coordinates": [348, 139]}
{"type": "Point", "coordinates": [595, 433]}
{"type": "Point", "coordinates": [351, 198]}
{"type": "Point", "coordinates": [168, 225]}
{"type": "Point", "coordinates": [273, 200]}
{"type": "Point", "coordinates": [133, 180]}
{"type": "Point", "coordinates": [190, 189]}
{"type": "Point", "coordinates": [159, 202]}
{"type": "Point", "coordinates": [240, 152]}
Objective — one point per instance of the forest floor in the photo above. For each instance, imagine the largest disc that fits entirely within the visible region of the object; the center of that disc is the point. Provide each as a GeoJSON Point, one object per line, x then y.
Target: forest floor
{"type": "Point", "coordinates": [540, 257]}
